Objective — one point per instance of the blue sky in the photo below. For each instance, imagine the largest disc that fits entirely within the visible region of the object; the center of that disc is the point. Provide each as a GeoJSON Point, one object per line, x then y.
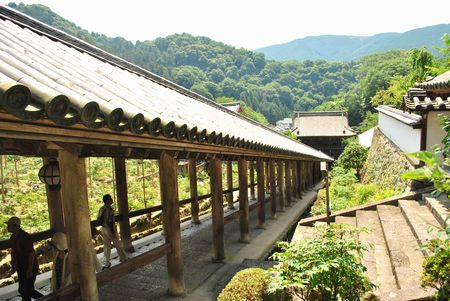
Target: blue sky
{"type": "Point", "coordinates": [249, 23]}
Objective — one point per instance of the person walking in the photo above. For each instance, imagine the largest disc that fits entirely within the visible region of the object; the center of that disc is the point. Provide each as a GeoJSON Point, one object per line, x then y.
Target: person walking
{"type": "Point", "coordinates": [61, 276]}
{"type": "Point", "coordinates": [23, 259]}
{"type": "Point", "coordinates": [105, 219]}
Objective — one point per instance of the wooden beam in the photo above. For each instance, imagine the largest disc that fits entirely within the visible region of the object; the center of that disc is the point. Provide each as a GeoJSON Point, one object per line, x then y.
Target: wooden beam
{"type": "Point", "coordinates": [243, 200]}
{"type": "Point", "coordinates": [273, 189]}
{"type": "Point", "coordinates": [229, 196]}
{"type": "Point", "coordinates": [168, 179]}
{"type": "Point", "coordinates": [192, 165]}
{"type": "Point", "coordinates": [12, 127]}
{"type": "Point", "coordinates": [122, 203]}
{"type": "Point", "coordinates": [76, 211]}
{"type": "Point", "coordinates": [261, 193]}
{"type": "Point", "coordinates": [217, 208]}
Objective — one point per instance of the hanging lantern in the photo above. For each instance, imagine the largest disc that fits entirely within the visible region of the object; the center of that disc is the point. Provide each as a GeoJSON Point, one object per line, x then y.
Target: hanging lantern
{"type": "Point", "coordinates": [49, 174]}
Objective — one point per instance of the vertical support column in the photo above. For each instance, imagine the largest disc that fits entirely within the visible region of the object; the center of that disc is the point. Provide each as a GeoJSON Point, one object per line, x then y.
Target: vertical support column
{"type": "Point", "coordinates": [171, 221]}
{"type": "Point", "coordinates": [192, 171]}
{"type": "Point", "coordinates": [252, 180]}
{"type": "Point", "coordinates": [76, 210]}
{"type": "Point", "coordinates": [55, 206]}
{"type": "Point", "coordinates": [217, 208]}
{"type": "Point", "coordinates": [273, 190]}
{"type": "Point", "coordinates": [288, 170]}
{"type": "Point", "coordinates": [267, 176]}
{"type": "Point", "coordinates": [261, 193]}
{"type": "Point", "coordinates": [295, 186]}
{"type": "Point", "coordinates": [243, 200]}
{"type": "Point", "coordinates": [230, 184]}
{"type": "Point", "coordinates": [122, 203]}
{"type": "Point", "coordinates": [281, 192]}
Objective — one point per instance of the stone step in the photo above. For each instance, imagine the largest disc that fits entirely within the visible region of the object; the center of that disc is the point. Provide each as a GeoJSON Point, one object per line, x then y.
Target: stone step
{"type": "Point", "coordinates": [420, 219]}
{"type": "Point", "coordinates": [440, 208]}
{"type": "Point", "coordinates": [349, 220]}
{"type": "Point", "coordinates": [302, 233]}
{"type": "Point", "coordinates": [376, 258]}
{"type": "Point", "coordinates": [403, 247]}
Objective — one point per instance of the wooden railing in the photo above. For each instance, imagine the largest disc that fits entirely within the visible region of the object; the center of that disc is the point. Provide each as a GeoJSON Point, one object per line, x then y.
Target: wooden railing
{"type": "Point", "coordinates": [38, 236]}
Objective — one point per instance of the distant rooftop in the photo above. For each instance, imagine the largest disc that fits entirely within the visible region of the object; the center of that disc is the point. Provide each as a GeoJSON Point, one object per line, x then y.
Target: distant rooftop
{"type": "Point", "coordinates": [438, 82]}
{"type": "Point", "coordinates": [233, 106]}
{"type": "Point", "coordinates": [430, 95]}
{"type": "Point", "coordinates": [321, 124]}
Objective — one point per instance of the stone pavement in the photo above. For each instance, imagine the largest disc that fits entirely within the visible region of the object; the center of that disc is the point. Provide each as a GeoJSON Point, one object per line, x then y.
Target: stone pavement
{"type": "Point", "coordinates": [205, 279]}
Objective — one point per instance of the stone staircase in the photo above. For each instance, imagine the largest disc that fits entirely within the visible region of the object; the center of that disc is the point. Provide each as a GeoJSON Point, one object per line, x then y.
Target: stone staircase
{"type": "Point", "coordinates": [397, 230]}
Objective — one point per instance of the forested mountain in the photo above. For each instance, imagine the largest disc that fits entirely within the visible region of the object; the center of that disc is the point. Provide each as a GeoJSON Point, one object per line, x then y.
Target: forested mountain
{"type": "Point", "coordinates": [215, 70]}
{"type": "Point", "coordinates": [345, 48]}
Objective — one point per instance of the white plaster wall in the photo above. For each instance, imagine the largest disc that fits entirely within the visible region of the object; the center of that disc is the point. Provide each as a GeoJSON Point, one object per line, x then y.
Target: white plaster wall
{"type": "Point", "coordinates": [402, 135]}
{"type": "Point", "coordinates": [434, 129]}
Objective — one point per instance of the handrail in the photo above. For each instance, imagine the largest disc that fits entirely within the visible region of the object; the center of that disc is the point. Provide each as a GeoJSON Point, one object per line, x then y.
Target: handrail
{"type": "Point", "coordinates": [39, 236]}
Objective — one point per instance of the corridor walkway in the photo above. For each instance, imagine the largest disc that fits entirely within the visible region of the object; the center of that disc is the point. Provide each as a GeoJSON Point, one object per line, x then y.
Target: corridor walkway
{"type": "Point", "coordinates": [203, 277]}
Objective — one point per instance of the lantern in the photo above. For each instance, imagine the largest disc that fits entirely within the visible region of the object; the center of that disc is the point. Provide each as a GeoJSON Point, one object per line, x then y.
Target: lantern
{"type": "Point", "coordinates": [49, 174]}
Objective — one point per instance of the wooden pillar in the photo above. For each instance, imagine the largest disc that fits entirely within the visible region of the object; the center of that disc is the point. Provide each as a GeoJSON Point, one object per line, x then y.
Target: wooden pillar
{"type": "Point", "coordinates": [122, 203]}
{"type": "Point", "coordinates": [302, 176]}
{"type": "Point", "coordinates": [273, 190]}
{"type": "Point", "coordinates": [55, 206]}
{"type": "Point", "coordinates": [168, 179]}
{"type": "Point", "coordinates": [243, 200]}
{"type": "Point", "coordinates": [217, 208]}
{"type": "Point", "coordinates": [76, 210]}
{"type": "Point", "coordinates": [267, 176]}
{"type": "Point", "coordinates": [230, 184]}
{"type": "Point", "coordinates": [288, 172]}
{"type": "Point", "coordinates": [192, 171]}
{"type": "Point", "coordinates": [294, 179]}
{"type": "Point", "coordinates": [280, 177]}
{"type": "Point", "coordinates": [261, 193]}
{"type": "Point", "coordinates": [252, 180]}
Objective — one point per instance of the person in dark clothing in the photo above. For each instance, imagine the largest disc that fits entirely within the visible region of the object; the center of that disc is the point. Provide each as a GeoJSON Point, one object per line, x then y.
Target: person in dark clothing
{"type": "Point", "coordinates": [105, 219]}
{"type": "Point", "coordinates": [23, 259]}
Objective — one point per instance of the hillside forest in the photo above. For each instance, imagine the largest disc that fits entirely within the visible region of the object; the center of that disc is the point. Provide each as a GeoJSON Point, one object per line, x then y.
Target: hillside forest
{"type": "Point", "coordinates": [269, 91]}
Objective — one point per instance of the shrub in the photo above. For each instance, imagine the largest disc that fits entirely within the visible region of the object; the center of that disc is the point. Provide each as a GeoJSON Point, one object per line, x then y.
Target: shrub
{"type": "Point", "coordinates": [327, 267]}
{"type": "Point", "coordinates": [249, 284]}
{"type": "Point", "coordinates": [436, 267]}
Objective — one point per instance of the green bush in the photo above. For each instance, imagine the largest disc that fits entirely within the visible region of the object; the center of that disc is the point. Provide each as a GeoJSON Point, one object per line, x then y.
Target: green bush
{"type": "Point", "coordinates": [247, 285]}
{"type": "Point", "coordinates": [327, 267]}
{"type": "Point", "coordinates": [436, 268]}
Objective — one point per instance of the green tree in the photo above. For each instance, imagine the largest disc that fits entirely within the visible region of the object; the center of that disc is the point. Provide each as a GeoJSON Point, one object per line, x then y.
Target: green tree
{"type": "Point", "coordinates": [353, 156]}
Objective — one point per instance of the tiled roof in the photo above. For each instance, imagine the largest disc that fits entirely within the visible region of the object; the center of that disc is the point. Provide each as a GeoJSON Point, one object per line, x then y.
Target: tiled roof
{"type": "Point", "coordinates": [321, 124]}
{"type": "Point", "coordinates": [438, 82]}
{"type": "Point", "coordinates": [45, 73]}
{"type": "Point", "coordinates": [427, 104]}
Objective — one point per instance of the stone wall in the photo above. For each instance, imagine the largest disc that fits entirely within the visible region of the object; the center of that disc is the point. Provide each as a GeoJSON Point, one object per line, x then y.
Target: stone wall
{"type": "Point", "coordinates": [385, 163]}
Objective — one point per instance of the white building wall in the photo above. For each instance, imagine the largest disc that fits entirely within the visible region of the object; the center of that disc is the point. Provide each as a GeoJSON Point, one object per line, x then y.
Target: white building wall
{"type": "Point", "coordinates": [404, 136]}
{"type": "Point", "coordinates": [435, 133]}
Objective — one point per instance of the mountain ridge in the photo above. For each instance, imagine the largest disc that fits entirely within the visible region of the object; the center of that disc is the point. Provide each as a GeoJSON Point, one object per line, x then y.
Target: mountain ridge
{"type": "Point", "coordinates": [348, 47]}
